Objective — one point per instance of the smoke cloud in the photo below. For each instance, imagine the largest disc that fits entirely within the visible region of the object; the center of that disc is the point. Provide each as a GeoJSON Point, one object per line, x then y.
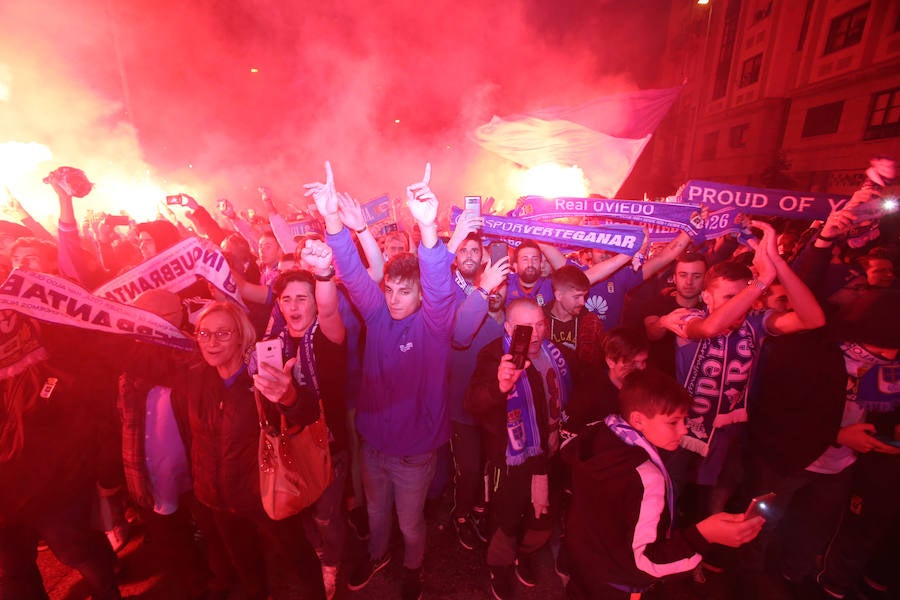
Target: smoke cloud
{"type": "Point", "coordinates": [216, 97]}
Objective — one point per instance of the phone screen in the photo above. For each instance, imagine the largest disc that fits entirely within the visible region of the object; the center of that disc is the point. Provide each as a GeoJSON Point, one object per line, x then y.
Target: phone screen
{"type": "Point", "coordinates": [498, 250]}
{"type": "Point", "coordinates": [269, 352]}
{"type": "Point", "coordinates": [760, 506]}
{"type": "Point", "coordinates": [473, 204]}
{"type": "Point", "coordinates": [518, 347]}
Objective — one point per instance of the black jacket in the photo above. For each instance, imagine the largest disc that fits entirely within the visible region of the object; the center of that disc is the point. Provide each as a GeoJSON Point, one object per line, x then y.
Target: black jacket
{"type": "Point", "coordinates": [618, 521]}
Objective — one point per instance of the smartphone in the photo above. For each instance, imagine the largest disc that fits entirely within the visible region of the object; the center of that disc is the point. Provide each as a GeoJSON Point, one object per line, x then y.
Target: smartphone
{"type": "Point", "coordinates": [117, 220]}
{"type": "Point", "coordinates": [176, 199]}
{"type": "Point", "coordinates": [498, 250]}
{"type": "Point", "coordinates": [886, 440]}
{"type": "Point", "coordinates": [269, 352]}
{"type": "Point", "coordinates": [518, 347]}
{"type": "Point", "coordinates": [760, 506]}
{"type": "Point", "coordinates": [473, 205]}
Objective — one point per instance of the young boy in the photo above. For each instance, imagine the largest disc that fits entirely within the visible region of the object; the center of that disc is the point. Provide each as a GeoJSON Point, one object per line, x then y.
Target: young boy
{"type": "Point", "coordinates": [620, 538]}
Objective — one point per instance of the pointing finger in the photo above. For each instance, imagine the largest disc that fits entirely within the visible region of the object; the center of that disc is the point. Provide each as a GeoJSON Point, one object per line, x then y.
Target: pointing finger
{"type": "Point", "coordinates": [427, 177]}
{"type": "Point", "coordinates": [329, 176]}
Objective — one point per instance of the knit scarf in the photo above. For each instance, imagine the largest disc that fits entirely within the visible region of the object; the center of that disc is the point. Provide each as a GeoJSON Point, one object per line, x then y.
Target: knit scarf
{"type": "Point", "coordinates": [524, 437]}
{"type": "Point", "coordinates": [718, 381]}
{"type": "Point", "coordinates": [633, 437]}
{"type": "Point", "coordinates": [873, 382]}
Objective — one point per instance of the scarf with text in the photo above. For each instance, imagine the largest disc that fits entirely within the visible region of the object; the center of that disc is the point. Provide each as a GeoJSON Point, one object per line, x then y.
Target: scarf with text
{"type": "Point", "coordinates": [524, 437]}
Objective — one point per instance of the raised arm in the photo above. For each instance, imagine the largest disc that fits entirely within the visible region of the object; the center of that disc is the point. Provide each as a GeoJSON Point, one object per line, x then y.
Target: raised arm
{"type": "Point", "coordinates": [720, 319]}
{"type": "Point", "coordinates": [319, 256]}
{"type": "Point", "coordinates": [662, 259]}
{"type": "Point", "coordinates": [352, 216]}
{"type": "Point", "coordinates": [364, 293]}
{"type": "Point", "coordinates": [807, 313]}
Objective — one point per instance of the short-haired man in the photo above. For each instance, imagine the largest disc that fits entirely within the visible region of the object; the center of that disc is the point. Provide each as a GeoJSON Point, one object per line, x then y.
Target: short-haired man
{"type": "Point", "coordinates": [519, 410]}
{"type": "Point", "coordinates": [269, 255]}
{"type": "Point", "coordinates": [480, 296]}
{"type": "Point", "coordinates": [526, 281]}
{"type": "Point", "coordinates": [670, 306]}
{"type": "Point", "coordinates": [620, 530]}
{"type": "Point", "coordinates": [717, 349]}
{"type": "Point", "coordinates": [401, 415]}
{"type": "Point", "coordinates": [575, 331]}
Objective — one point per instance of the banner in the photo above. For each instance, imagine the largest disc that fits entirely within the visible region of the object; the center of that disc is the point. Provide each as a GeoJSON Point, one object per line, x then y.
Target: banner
{"type": "Point", "coordinates": [683, 217]}
{"type": "Point", "coordinates": [377, 210]}
{"type": "Point", "coordinates": [55, 300]}
{"type": "Point", "coordinates": [624, 239]}
{"type": "Point", "coordinates": [300, 228]}
{"type": "Point", "coordinates": [174, 269]}
{"type": "Point", "coordinates": [759, 201]}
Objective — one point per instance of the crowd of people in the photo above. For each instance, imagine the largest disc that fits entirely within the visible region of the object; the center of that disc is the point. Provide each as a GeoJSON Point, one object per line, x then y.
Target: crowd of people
{"type": "Point", "coordinates": [653, 398]}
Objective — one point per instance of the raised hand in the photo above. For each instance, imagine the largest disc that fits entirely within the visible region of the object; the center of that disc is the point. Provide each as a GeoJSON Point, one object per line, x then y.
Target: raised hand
{"type": "Point", "coordinates": [494, 274]}
{"type": "Point", "coordinates": [227, 209]}
{"type": "Point", "coordinates": [468, 223]}
{"type": "Point", "coordinates": [507, 373]}
{"type": "Point", "coordinates": [323, 194]}
{"type": "Point", "coordinates": [275, 385]}
{"type": "Point", "coordinates": [350, 212]}
{"type": "Point", "coordinates": [764, 251]}
{"type": "Point", "coordinates": [422, 202]}
{"type": "Point", "coordinates": [317, 255]}
{"type": "Point", "coordinates": [838, 223]}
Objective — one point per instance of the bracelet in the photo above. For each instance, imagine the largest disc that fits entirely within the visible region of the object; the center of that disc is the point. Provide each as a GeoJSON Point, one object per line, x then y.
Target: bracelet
{"type": "Point", "coordinates": [826, 238]}
{"type": "Point", "coordinates": [364, 228]}
{"type": "Point", "coordinates": [327, 277]}
{"type": "Point", "coordinates": [762, 287]}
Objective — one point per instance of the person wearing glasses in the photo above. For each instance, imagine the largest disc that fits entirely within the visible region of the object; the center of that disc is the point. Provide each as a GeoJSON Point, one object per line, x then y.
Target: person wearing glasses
{"type": "Point", "coordinates": [270, 558]}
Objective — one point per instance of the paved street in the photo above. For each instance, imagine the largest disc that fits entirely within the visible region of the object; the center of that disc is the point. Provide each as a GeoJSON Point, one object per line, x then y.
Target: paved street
{"type": "Point", "coordinates": [451, 573]}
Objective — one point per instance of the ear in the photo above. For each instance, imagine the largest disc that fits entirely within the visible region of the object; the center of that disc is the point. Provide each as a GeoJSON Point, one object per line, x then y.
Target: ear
{"type": "Point", "coordinates": [509, 328]}
{"type": "Point", "coordinates": [637, 419]}
{"type": "Point", "coordinates": [609, 362]}
{"type": "Point", "coordinates": [706, 297]}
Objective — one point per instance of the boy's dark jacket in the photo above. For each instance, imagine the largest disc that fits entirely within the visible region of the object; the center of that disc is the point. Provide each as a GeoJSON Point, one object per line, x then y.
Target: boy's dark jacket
{"type": "Point", "coordinates": [618, 522]}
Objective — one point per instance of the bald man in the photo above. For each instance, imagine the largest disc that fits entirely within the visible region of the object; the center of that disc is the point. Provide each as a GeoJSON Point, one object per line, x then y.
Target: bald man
{"type": "Point", "coordinates": [520, 412]}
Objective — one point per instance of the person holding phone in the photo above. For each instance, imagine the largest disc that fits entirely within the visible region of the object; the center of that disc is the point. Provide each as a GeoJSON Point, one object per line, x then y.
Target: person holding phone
{"type": "Point", "coordinates": [620, 535]}
{"type": "Point", "coordinates": [517, 394]}
{"type": "Point", "coordinates": [480, 294]}
{"type": "Point", "coordinates": [313, 340]}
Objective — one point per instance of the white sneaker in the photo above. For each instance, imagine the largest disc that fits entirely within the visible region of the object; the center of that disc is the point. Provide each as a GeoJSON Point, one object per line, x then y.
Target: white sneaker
{"type": "Point", "coordinates": [329, 576]}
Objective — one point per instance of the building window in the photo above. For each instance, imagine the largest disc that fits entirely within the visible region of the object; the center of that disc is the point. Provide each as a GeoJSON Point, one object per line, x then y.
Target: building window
{"type": "Point", "coordinates": [846, 29]}
{"type": "Point", "coordinates": [737, 136]}
{"type": "Point", "coordinates": [884, 115]}
{"type": "Point", "coordinates": [726, 48]}
{"type": "Point", "coordinates": [822, 120]}
{"type": "Point", "coordinates": [750, 70]}
{"type": "Point", "coordinates": [710, 141]}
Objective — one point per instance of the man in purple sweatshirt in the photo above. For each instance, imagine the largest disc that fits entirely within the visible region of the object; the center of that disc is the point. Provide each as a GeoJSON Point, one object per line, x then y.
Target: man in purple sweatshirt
{"type": "Point", "coordinates": [402, 413]}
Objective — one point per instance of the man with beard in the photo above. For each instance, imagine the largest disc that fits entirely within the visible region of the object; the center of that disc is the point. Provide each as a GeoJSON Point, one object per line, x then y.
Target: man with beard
{"type": "Point", "coordinates": [527, 282]}
{"type": "Point", "coordinates": [479, 320]}
{"type": "Point", "coordinates": [671, 306]}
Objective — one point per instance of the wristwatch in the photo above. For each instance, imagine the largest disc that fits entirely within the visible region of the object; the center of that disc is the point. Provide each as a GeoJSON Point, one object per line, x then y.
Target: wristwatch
{"type": "Point", "coordinates": [326, 276]}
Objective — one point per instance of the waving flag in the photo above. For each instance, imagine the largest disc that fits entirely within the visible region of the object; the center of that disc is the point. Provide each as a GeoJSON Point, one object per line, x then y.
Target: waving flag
{"type": "Point", "coordinates": [603, 137]}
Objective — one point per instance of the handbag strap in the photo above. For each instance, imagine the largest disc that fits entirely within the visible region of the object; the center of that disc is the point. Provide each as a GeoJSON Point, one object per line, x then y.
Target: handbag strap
{"type": "Point", "coordinates": [285, 428]}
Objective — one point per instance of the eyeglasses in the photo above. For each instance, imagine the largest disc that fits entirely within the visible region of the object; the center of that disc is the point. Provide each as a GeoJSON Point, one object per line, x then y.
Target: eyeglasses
{"type": "Point", "coordinates": [221, 335]}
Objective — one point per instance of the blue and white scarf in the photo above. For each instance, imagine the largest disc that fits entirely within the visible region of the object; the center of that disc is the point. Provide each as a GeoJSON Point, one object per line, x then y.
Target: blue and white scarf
{"type": "Point", "coordinates": [524, 437]}
{"type": "Point", "coordinates": [633, 437]}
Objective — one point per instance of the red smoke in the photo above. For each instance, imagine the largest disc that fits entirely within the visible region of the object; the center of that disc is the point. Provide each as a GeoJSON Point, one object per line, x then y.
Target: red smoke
{"type": "Point", "coordinates": [164, 89]}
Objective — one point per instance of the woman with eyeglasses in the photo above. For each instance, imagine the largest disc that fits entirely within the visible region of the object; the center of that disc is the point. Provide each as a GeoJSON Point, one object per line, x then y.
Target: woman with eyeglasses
{"type": "Point", "coordinates": [270, 557]}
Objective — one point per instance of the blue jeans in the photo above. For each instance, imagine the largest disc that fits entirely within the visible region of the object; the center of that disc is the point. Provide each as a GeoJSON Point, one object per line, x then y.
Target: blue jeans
{"type": "Point", "coordinates": [403, 480]}
{"type": "Point", "coordinates": [325, 521]}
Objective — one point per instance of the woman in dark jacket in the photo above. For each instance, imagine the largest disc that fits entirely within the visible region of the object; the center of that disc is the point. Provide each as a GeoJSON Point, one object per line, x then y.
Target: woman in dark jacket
{"type": "Point", "coordinates": [270, 557]}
